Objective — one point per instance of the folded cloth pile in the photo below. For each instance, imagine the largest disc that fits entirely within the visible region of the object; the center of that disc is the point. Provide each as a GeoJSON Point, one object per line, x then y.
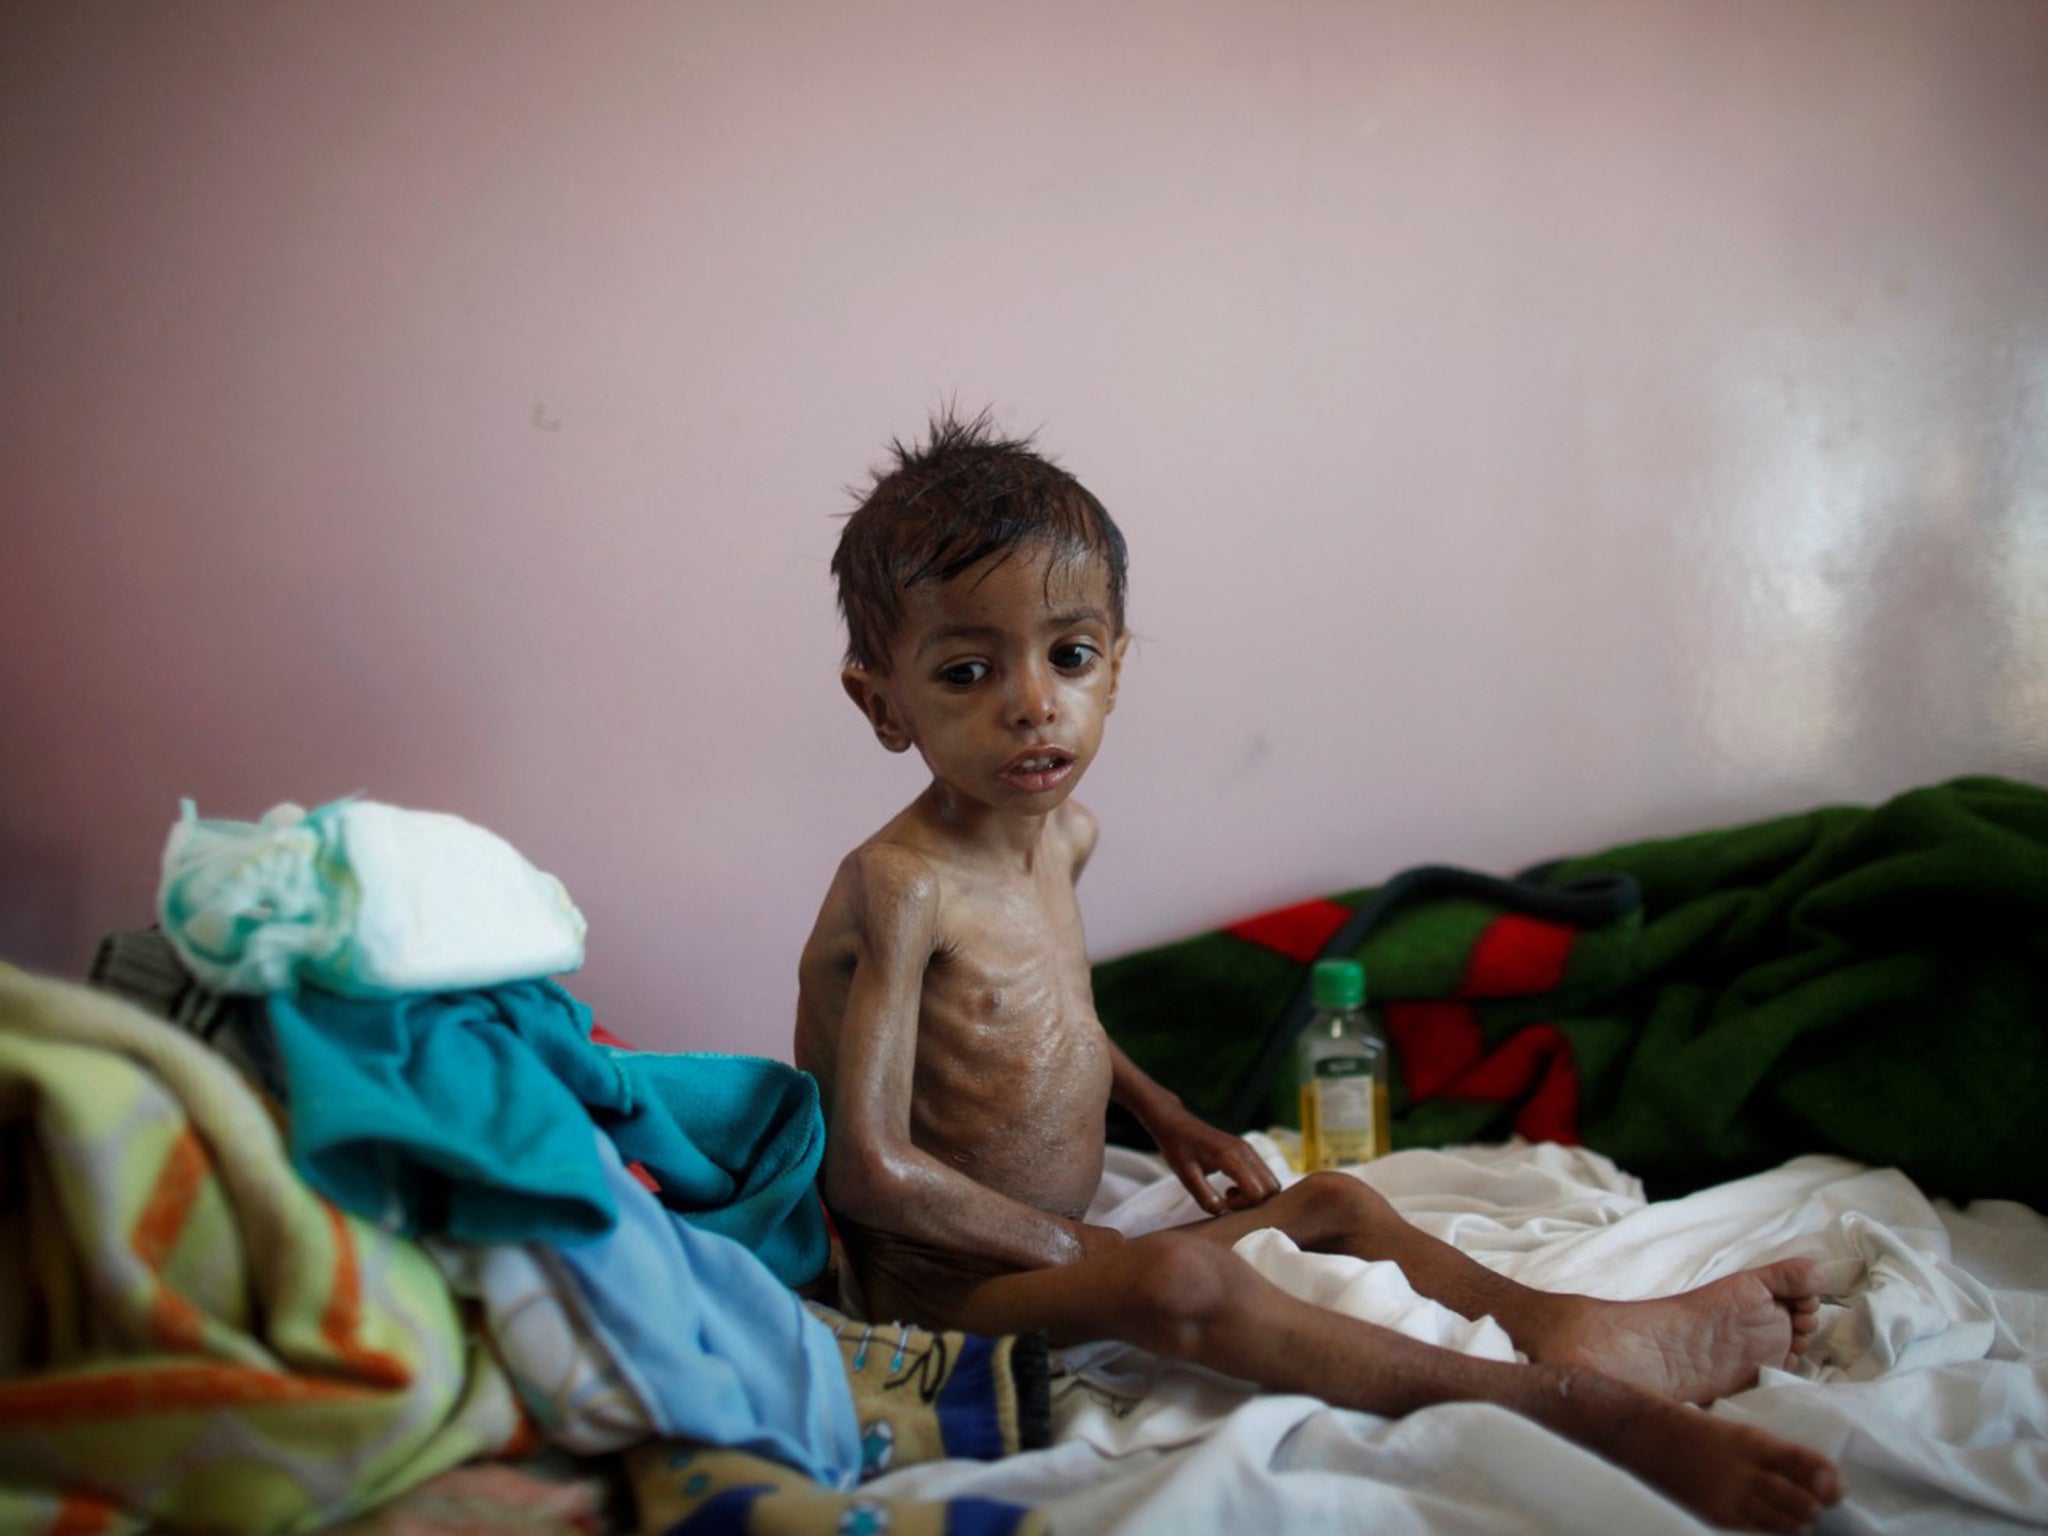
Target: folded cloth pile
{"type": "Point", "coordinates": [431, 1083]}
{"type": "Point", "coordinates": [438, 1083]}
{"type": "Point", "coordinates": [191, 1337]}
{"type": "Point", "coordinates": [499, 1229]}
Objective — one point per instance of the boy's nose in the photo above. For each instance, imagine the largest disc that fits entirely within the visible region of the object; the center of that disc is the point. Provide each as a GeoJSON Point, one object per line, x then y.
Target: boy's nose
{"type": "Point", "coordinates": [1033, 704]}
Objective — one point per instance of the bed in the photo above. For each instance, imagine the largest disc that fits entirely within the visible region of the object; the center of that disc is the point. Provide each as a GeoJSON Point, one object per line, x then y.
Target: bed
{"type": "Point", "coordinates": [1928, 1385]}
{"type": "Point", "coordinates": [1825, 1035]}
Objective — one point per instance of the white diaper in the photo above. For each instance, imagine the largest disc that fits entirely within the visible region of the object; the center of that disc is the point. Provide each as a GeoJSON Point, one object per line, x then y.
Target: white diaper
{"type": "Point", "coordinates": [360, 898]}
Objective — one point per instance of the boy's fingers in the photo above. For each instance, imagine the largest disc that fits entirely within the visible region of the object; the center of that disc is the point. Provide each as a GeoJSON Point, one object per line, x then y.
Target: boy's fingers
{"type": "Point", "coordinates": [1252, 1174]}
{"type": "Point", "coordinates": [1196, 1178]}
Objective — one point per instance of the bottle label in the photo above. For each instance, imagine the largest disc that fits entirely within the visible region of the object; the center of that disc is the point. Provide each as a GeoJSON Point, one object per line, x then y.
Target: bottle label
{"type": "Point", "coordinates": [1343, 1114]}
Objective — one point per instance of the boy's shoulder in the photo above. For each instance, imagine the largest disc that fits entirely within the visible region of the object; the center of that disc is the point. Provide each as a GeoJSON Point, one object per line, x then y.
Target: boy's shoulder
{"type": "Point", "coordinates": [907, 865]}
{"type": "Point", "coordinates": [1080, 830]}
{"type": "Point", "coordinates": [884, 869]}
{"type": "Point", "coordinates": [891, 882]}
{"type": "Point", "coordinates": [884, 894]}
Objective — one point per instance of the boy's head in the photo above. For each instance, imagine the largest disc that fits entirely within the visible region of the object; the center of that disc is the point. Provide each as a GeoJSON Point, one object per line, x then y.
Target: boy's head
{"type": "Point", "coordinates": [966, 495]}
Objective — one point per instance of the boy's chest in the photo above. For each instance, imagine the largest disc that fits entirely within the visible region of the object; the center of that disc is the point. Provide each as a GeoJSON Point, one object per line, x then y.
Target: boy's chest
{"type": "Point", "coordinates": [1014, 962]}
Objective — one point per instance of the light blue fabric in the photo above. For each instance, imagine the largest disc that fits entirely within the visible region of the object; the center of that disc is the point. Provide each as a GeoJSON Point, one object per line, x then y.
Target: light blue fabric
{"type": "Point", "coordinates": [712, 1342]}
{"type": "Point", "coordinates": [467, 1115]}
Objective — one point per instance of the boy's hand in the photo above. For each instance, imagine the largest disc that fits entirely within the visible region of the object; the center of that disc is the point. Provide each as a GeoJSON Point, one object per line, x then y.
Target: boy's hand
{"type": "Point", "coordinates": [1194, 1149]}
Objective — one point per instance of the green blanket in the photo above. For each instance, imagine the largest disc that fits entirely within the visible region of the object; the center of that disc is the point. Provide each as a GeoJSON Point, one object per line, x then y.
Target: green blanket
{"type": "Point", "coordinates": [1870, 982]}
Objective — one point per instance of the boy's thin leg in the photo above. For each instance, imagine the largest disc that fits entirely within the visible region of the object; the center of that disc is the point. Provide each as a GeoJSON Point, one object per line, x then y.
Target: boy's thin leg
{"type": "Point", "coordinates": [1696, 1347]}
{"type": "Point", "coordinates": [1189, 1299]}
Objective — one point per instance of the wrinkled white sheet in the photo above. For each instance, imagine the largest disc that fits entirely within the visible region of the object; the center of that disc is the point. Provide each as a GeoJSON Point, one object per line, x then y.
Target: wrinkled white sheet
{"type": "Point", "coordinates": [1928, 1384]}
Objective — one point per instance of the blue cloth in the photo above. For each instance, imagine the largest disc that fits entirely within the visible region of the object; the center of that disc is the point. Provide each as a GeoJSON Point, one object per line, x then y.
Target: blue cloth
{"type": "Point", "coordinates": [712, 1343]}
{"type": "Point", "coordinates": [467, 1114]}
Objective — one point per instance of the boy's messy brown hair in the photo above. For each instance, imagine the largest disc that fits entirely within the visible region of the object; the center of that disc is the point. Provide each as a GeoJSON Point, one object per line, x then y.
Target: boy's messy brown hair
{"type": "Point", "coordinates": [935, 510]}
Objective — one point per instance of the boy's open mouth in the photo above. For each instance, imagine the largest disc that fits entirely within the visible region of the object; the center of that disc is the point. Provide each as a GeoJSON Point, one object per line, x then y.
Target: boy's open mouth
{"type": "Point", "coordinates": [1038, 769]}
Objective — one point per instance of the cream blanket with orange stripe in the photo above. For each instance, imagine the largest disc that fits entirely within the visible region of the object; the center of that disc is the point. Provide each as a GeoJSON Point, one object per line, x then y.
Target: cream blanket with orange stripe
{"type": "Point", "coordinates": [188, 1334]}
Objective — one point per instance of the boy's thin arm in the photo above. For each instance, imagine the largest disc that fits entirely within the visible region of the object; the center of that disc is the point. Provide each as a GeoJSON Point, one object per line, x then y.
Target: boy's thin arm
{"type": "Point", "coordinates": [874, 1173]}
{"type": "Point", "coordinates": [1192, 1147]}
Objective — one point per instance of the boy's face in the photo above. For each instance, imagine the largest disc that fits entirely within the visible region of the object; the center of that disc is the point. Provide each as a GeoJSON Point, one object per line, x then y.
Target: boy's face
{"type": "Point", "coordinates": [1001, 678]}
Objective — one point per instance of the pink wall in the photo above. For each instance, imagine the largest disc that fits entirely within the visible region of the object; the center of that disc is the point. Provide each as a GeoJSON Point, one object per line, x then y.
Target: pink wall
{"type": "Point", "coordinates": [1535, 426]}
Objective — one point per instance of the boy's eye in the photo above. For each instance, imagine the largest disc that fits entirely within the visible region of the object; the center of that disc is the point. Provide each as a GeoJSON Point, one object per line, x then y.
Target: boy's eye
{"type": "Point", "coordinates": [1074, 656]}
{"type": "Point", "coordinates": [963, 674]}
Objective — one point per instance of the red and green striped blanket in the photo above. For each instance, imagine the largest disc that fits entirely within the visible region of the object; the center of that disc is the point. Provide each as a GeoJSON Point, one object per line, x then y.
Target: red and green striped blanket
{"type": "Point", "coordinates": [1866, 981]}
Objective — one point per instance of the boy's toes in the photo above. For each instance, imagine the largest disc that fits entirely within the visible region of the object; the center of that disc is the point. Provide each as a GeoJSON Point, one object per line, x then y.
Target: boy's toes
{"type": "Point", "coordinates": [1806, 1472]}
{"type": "Point", "coordinates": [1778, 1504]}
{"type": "Point", "coordinates": [1803, 1469]}
{"type": "Point", "coordinates": [1796, 1282]}
{"type": "Point", "coordinates": [1828, 1486]}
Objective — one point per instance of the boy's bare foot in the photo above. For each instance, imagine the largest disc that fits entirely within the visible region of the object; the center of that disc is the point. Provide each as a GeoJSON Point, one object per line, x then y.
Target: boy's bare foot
{"type": "Point", "coordinates": [1735, 1475]}
{"type": "Point", "coordinates": [1696, 1346]}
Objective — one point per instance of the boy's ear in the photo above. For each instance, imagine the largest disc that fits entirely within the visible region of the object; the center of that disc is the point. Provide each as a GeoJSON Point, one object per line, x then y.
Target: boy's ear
{"type": "Point", "coordinates": [873, 701]}
{"type": "Point", "coordinates": [1116, 666]}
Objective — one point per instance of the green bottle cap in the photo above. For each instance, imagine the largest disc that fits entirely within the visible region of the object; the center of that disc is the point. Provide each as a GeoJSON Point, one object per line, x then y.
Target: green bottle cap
{"type": "Point", "coordinates": [1339, 984]}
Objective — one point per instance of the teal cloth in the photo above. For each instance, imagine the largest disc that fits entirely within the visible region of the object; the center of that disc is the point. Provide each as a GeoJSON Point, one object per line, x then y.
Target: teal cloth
{"type": "Point", "coordinates": [468, 1115]}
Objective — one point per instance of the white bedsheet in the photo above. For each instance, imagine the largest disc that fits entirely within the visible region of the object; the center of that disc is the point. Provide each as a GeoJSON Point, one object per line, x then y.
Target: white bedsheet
{"type": "Point", "coordinates": [1928, 1384]}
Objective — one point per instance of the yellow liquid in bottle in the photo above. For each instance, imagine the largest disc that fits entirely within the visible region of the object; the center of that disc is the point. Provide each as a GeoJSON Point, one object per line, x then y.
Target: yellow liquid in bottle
{"type": "Point", "coordinates": [1343, 1122]}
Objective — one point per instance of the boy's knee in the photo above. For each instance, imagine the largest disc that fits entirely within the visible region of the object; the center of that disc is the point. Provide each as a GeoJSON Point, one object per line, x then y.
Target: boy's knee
{"type": "Point", "coordinates": [1179, 1290]}
{"type": "Point", "coordinates": [1338, 1205]}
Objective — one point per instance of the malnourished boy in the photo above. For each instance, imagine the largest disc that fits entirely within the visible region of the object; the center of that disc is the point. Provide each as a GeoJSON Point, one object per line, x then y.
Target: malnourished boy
{"type": "Point", "coordinates": [945, 1010]}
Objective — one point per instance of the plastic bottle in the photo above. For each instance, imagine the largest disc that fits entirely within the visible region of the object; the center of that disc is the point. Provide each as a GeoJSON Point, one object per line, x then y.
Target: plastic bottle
{"type": "Point", "coordinates": [1343, 1062]}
